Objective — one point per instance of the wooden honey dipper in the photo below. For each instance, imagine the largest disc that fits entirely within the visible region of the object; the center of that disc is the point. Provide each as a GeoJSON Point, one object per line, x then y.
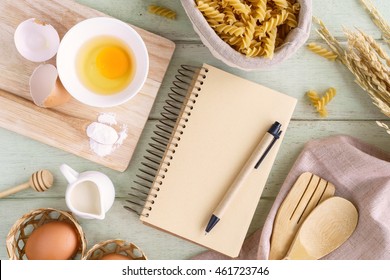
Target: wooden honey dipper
{"type": "Point", "coordinates": [40, 181]}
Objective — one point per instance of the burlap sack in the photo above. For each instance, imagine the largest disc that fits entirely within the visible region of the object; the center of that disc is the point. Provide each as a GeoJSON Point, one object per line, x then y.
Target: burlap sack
{"type": "Point", "coordinates": [222, 51]}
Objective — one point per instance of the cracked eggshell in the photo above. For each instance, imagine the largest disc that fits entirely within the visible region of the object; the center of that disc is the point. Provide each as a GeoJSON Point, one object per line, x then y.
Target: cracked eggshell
{"type": "Point", "coordinates": [36, 40]}
{"type": "Point", "coordinates": [46, 88]}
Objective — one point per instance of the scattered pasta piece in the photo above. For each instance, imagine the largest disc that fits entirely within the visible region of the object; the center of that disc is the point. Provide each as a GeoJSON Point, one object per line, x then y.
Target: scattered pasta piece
{"type": "Point", "coordinates": [320, 102]}
{"type": "Point", "coordinates": [252, 27]}
{"type": "Point", "coordinates": [313, 96]}
{"type": "Point", "coordinates": [321, 51]}
{"type": "Point", "coordinates": [327, 97]}
{"type": "Point", "coordinates": [162, 11]}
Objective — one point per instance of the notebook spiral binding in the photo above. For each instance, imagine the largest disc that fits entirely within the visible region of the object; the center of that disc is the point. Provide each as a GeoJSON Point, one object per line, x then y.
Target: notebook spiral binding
{"type": "Point", "coordinates": [166, 138]}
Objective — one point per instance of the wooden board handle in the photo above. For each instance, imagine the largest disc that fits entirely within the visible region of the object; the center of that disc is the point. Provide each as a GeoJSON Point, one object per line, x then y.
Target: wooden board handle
{"type": "Point", "coordinates": [29, 107]}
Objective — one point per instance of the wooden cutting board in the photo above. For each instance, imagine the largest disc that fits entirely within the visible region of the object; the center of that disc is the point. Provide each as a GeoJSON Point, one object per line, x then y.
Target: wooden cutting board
{"type": "Point", "coordinates": [64, 126]}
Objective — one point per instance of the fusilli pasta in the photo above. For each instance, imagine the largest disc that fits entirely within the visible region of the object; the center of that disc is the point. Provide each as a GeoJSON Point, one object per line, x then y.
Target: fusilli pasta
{"type": "Point", "coordinates": [249, 32]}
{"type": "Point", "coordinates": [291, 20]}
{"type": "Point", "coordinates": [273, 22]}
{"type": "Point", "coordinates": [239, 7]}
{"type": "Point", "coordinates": [230, 17]}
{"type": "Point", "coordinates": [320, 102]}
{"type": "Point", "coordinates": [313, 96]}
{"type": "Point", "coordinates": [259, 9]}
{"type": "Point", "coordinates": [269, 43]}
{"type": "Point", "coordinates": [252, 27]}
{"type": "Point", "coordinates": [229, 29]}
{"type": "Point", "coordinates": [162, 11]}
{"type": "Point", "coordinates": [322, 51]}
{"type": "Point", "coordinates": [283, 4]}
{"type": "Point", "coordinates": [210, 12]}
{"type": "Point", "coordinates": [327, 97]}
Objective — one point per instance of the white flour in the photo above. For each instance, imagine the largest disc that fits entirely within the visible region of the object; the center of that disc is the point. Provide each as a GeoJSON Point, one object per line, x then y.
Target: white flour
{"type": "Point", "coordinates": [107, 118]}
{"type": "Point", "coordinates": [122, 135]}
{"type": "Point", "coordinates": [102, 133]}
{"type": "Point", "coordinates": [103, 137]}
{"type": "Point", "coordinates": [100, 149]}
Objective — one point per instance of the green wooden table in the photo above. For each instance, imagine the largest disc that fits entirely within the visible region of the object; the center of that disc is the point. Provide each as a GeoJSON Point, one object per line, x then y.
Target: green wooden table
{"type": "Point", "coordinates": [351, 112]}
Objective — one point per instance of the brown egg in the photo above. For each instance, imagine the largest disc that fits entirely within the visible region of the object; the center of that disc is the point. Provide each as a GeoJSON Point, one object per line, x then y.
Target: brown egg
{"type": "Point", "coordinates": [52, 241]}
{"type": "Point", "coordinates": [114, 256]}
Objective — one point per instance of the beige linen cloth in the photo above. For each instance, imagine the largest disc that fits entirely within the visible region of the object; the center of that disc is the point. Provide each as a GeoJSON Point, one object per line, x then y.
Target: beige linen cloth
{"type": "Point", "coordinates": [361, 174]}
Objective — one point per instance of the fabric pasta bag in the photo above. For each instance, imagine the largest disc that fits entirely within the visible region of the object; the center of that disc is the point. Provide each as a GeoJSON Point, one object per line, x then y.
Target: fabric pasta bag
{"type": "Point", "coordinates": [292, 41]}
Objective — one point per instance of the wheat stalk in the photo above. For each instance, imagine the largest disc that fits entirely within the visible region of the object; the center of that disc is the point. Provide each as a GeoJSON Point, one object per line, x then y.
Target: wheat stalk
{"type": "Point", "coordinates": [383, 125]}
{"type": "Point", "coordinates": [366, 60]}
{"type": "Point", "coordinates": [378, 20]}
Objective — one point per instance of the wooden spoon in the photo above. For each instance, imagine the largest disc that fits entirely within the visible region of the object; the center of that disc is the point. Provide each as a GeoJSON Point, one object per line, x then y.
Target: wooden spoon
{"type": "Point", "coordinates": [328, 226]}
{"type": "Point", "coordinates": [40, 181]}
{"type": "Point", "coordinates": [308, 191]}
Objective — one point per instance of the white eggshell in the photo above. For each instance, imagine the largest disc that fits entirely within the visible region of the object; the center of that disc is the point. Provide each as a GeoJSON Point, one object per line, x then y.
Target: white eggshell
{"type": "Point", "coordinates": [36, 41]}
{"type": "Point", "coordinates": [45, 87]}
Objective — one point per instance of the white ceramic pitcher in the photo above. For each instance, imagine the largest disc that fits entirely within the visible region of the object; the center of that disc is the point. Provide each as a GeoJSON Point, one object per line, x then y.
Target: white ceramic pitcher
{"type": "Point", "coordinates": [89, 194]}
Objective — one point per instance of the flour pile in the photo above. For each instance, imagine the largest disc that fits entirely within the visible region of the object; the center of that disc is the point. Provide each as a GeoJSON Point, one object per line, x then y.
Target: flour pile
{"type": "Point", "coordinates": [103, 136]}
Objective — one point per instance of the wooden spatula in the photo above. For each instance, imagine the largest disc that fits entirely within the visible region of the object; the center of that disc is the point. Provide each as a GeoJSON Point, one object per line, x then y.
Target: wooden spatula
{"type": "Point", "coordinates": [327, 227]}
{"type": "Point", "coordinates": [308, 191]}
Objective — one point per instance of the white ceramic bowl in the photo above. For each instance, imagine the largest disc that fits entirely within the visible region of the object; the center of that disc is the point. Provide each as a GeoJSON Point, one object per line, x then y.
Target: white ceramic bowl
{"type": "Point", "coordinates": [83, 32]}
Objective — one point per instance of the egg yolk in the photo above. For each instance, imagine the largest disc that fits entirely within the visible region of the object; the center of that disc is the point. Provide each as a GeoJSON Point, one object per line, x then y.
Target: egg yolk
{"type": "Point", "coordinates": [112, 62]}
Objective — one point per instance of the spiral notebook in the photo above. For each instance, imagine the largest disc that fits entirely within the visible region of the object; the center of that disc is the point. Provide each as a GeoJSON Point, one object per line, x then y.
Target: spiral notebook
{"type": "Point", "coordinates": [211, 123]}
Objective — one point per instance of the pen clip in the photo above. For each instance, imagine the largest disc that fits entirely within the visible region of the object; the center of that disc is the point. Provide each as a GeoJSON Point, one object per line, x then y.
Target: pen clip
{"type": "Point", "coordinates": [276, 137]}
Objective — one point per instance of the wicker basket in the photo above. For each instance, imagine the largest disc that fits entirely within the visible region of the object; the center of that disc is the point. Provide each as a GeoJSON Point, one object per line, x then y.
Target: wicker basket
{"type": "Point", "coordinates": [22, 229]}
{"type": "Point", "coordinates": [117, 246]}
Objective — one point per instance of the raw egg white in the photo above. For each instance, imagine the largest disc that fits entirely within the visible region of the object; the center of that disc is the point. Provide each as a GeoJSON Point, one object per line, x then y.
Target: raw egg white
{"type": "Point", "coordinates": [105, 65]}
{"type": "Point", "coordinates": [36, 40]}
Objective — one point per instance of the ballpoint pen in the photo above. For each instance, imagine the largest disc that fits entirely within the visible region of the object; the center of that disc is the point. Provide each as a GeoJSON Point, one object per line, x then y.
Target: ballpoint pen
{"type": "Point", "coordinates": [253, 162]}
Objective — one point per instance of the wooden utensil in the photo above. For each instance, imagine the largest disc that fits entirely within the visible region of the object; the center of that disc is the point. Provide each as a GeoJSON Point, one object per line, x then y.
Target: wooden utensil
{"type": "Point", "coordinates": [308, 191]}
{"type": "Point", "coordinates": [24, 108]}
{"type": "Point", "coordinates": [50, 117]}
{"type": "Point", "coordinates": [40, 181]}
{"type": "Point", "coordinates": [328, 226]}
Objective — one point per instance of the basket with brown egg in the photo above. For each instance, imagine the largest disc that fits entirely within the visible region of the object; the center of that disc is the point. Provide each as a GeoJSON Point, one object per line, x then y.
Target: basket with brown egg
{"type": "Point", "coordinates": [46, 234]}
{"type": "Point", "coordinates": [114, 249]}
{"type": "Point", "coordinates": [251, 34]}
